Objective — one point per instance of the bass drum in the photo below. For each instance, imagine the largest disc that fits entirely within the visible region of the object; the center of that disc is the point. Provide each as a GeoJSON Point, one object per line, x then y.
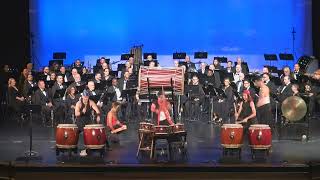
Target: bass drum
{"type": "Point", "coordinates": [308, 64]}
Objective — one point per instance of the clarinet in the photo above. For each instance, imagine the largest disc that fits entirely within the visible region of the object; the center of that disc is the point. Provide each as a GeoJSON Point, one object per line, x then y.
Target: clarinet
{"type": "Point", "coordinates": [101, 99]}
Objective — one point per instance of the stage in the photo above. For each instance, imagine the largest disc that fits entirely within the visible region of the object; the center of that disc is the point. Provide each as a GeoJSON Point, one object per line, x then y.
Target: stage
{"type": "Point", "coordinates": [204, 155]}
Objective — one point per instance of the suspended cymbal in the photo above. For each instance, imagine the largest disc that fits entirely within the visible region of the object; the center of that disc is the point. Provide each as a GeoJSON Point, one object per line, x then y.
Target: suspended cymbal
{"type": "Point", "coordinates": [294, 108]}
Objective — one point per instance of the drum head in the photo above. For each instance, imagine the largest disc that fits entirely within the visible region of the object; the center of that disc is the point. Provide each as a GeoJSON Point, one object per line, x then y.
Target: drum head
{"type": "Point", "coordinates": [162, 126]}
{"type": "Point", "coordinates": [67, 126]}
{"type": "Point", "coordinates": [231, 126]}
{"type": "Point", "coordinates": [90, 126]}
{"type": "Point", "coordinates": [146, 123]}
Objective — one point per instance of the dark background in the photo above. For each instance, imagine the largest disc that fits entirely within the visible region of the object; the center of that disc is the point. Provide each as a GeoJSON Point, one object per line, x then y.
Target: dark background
{"type": "Point", "coordinates": [15, 33]}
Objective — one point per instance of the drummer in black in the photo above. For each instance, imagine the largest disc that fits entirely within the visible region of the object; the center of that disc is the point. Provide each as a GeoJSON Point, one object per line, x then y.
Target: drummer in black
{"type": "Point", "coordinates": [246, 113]}
{"type": "Point", "coordinates": [84, 109]}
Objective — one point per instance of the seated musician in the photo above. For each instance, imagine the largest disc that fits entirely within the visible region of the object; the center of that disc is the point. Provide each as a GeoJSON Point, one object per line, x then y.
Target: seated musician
{"type": "Point", "coordinates": [246, 114]}
{"type": "Point", "coordinates": [152, 64]}
{"type": "Point", "coordinates": [112, 121]}
{"type": "Point", "coordinates": [297, 73]}
{"type": "Point", "coordinates": [295, 90]}
{"type": "Point", "coordinates": [71, 99]}
{"type": "Point", "coordinates": [236, 75]}
{"type": "Point", "coordinates": [84, 109]}
{"type": "Point", "coordinates": [224, 105]}
{"type": "Point", "coordinates": [23, 76]}
{"type": "Point", "coordinates": [229, 68]}
{"type": "Point", "coordinates": [161, 108]}
{"type": "Point", "coordinates": [106, 75]}
{"type": "Point", "coordinates": [285, 90]}
{"type": "Point", "coordinates": [217, 64]}
{"type": "Point", "coordinates": [244, 66]}
{"type": "Point", "coordinates": [43, 98]}
{"type": "Point", "coordinates": [28, 84]}
{"type": "Point", "coordinates": [149, 57]}
{"type": "Point", "coordinates": [74, 72]}
{"type": "Point", "coordinates": [15, 98]}
{"type": "Point", "coordinates": [58, 99]}
{"type": "Point", "coordinates": [189, 65]}
{"type": "Point", "coordinates": [64, 73]}
{"type": "Point", "coordinates": [46, 74]}
{"type": "Point", "coordinates": [97, 78]}
{"type": "Point", "coordinates": [195, 98]}
{"type": "Point", "coordinates": [286, 72]}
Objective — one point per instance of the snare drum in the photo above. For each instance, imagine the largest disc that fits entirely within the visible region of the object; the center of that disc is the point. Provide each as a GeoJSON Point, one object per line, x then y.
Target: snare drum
{"type": "Point", "coordinates": [144, 126]}
{"type": "Point", "coordinates": [177, 128]}
{"type": "Point", "coordinates": [67, 136]}
{"type": "Point", "coordinates": [260, 136]}
{"type": "Point", "coordinates": [162, 130]}
{"type": "Point", "coordinates": [231, 135]}
{"type": "Point", "coordinates": [94, 136]}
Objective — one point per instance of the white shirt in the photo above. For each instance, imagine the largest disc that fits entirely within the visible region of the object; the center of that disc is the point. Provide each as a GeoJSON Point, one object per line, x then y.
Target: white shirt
{"type": "Point", "coordinates": [118, 93]}
{"type": "Point", "coordinates": [162, 116]}
{"type": "Point", "coordinates": [236, 77]}
{"type": "Point", "coordinates": [124, 84]}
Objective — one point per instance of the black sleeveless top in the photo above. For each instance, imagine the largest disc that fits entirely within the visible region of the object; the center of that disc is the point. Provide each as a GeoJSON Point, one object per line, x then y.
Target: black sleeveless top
{"type": "Point", "coordinates": [246, 110]}
{"type": "Point", "coordinates": [88, 111]}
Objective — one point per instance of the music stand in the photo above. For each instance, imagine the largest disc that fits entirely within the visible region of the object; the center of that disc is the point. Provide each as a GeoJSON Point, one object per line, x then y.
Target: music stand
{"type": "Point", "coordinates": [154, 55]}
{"type": "Point", "coordinates": [270, 58]}
{"type": "Point", "coordinates": [221, 59]}
{"type": "Point", "coordinates": [286, 57]}
{"type": "Point", "coordinates": [200, 55]}
{"type": "Point", "coordinates": [31, 109]}
{"type": "Point", "coordinates": [125, 57]}
{"type": "Point", "coordinates": [179, 55]}
{"type": "Point", "coordinates": [59, 55]}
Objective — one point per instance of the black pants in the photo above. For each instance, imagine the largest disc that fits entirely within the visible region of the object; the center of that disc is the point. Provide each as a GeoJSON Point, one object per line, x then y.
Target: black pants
{"type": "Point", "coordinates": [164, 123]}
{"type": "Point", "coordinates": [264, 114]}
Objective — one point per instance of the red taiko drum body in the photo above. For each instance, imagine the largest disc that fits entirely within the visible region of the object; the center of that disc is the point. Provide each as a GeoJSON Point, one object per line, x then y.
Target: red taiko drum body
{"type": "Point", "coordinates": [231, 135]}
{"type": "Point", "coordinates": [260, 136]}
{"type": "Point", "coordinates": [177, 128]}
{"type": "Point", "coordinates": [94, 136]}
{"type": "Point", "coordinates": [67, 136]}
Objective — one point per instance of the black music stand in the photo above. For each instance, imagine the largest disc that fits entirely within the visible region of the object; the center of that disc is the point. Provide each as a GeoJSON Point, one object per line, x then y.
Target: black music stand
{"type": "Point", "coordinates": [286, 57]}
{"type": "Point", "coordinates": [200, 55]}
{"type": "Point", "coordinates": [59, 55]}
{"type": "Point", "coordinates": [154, 55]}
{"type": "Point", "coordinates": [125, 57]}
{"type": "Point", "coordinates": [30, 154]}
{"type": "Point", "coordinates": [270, 58]}
{"type": "Point", "coordinates": [221, 59]}
{"type": "Point", "coordinates": [179, 55]}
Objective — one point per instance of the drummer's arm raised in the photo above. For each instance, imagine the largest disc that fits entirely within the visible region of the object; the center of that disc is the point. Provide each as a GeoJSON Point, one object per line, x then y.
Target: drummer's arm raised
{"type": "Point", "coordinates": [239, 111]}
{"type": "Point", "coordinates": [154, 109]}
{"type": "Point", "coordinates": [77, 112]}
{"type": "Point", "coordinates": [96, 109]}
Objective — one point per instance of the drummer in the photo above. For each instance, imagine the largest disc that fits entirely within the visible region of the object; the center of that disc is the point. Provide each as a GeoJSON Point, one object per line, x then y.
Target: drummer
{"type": "Point", "coordinates": [113, 123]}
{"type": "Point", "coordinates": [264, 114]}
{"type": "Point", "coordinates": [161, 108]}
{"type": "Point", "coordinates": [84, 109]}
{"type": "Point", "coordinates": [246, 114]}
